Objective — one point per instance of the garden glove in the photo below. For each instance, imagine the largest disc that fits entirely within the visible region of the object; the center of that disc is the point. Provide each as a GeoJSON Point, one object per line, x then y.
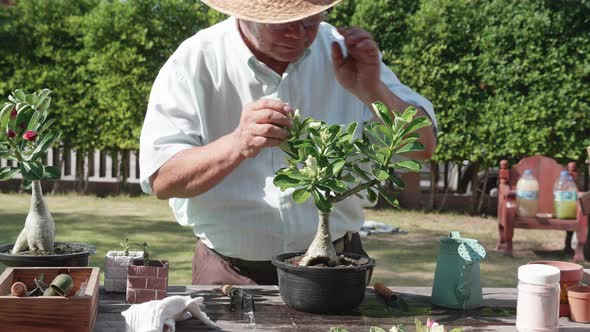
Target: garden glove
{"type": "Point", "coordinates": [162, 315]}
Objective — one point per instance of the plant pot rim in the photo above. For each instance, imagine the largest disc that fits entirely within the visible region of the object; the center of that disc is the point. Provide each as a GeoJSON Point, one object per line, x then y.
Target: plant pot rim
{"type": "Point", "coordinates": [568, 271]}
{"type": "Point", "coordinates": [579, 292]}
{"type": "Point", "coordinates": [88, 248]}
{"type": "Point", "coordinates": [164, 262]}
{"type": "Point", "coordinates": [279, 262]}
{"type": "Point", "coordinates": [120, 253]}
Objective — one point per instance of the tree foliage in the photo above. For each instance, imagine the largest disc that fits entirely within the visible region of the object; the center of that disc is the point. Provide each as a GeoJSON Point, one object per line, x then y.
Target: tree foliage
{"type": "Point", "coordinates": [507, 78]}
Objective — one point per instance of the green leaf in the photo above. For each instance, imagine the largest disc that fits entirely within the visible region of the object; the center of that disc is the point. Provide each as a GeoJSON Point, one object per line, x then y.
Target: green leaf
{"type": "Point", "coordinates": [34, 121]}
{"type": "Point", "coordinates": [397, 181]}
{"type": "Point", "coordinates": [51, 173]}
{"type": "Point", "coordinates": [19, 95]}
{"type": "Point", "coordinates": [321, 202]}
{"type": "Point", "coordinates": [376, 329]}
{"type": "Point", "coordinates": [32, 170]}
{"type": "Point", "coordinates": [410, 165]}
{"type": "Point", "coordinates": [44, 105]}
{"type": "Point", "coordinates": [360, 172]}
{"type": "Point", "coordinates": [388, 197]}
{"type": "Point", "coordinates": [335, 185]}
{"type": "Point", "coordinates": [27, 184]}
{"type": "Point", "coordinates": [409, 113]}
{"type": "Point", "coordinates": [348, 178]}
{"type": "Point", "coordinates": [5, 116]}
{"type": "Point", "coordinates": [351, 128]}
{"type": "Point", "coordinates": [411, 147]}
{"type": "Point", "coordinates": [284, 181]}
{"type": "Point", "coordinates": [7, 173]}
{"type": "Point", "coordinates": [44, 143]}
{"type": "Point", "coordinates": [337, 165]}
{"type": "Point", "coordinates": [380, 174]}
{"type": "Point", "coordinates": [24, 116]}
{"type": "Point", "coordinates": [371, 195]}
{"type": "Point", "coordinates": [300, 195]}
{"type": "Point", "coordinates": [383, 113]}
{"type": "Point", "coordinates": [417, 123]}
{"type": "Point", "coordinates": [338, 329]}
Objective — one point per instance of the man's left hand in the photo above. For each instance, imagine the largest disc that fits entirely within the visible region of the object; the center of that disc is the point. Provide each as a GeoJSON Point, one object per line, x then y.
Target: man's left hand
{"type": "Point", "coordinates": [358, 72]}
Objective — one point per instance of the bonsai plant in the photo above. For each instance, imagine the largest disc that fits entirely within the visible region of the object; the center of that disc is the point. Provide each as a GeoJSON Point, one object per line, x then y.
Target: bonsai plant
{"type": "Point", "coordinates": [116, 263]}
{"type": "Point", "coordinates": [324, 163]}
{"type": "Point", "coordinates": [25, 135]}
{"type": "Point", "coordinates": [147, 279]}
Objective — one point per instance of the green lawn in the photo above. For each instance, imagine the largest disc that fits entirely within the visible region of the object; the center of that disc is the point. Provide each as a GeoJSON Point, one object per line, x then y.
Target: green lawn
{"type": "Point", "coordinates": [403, 259]}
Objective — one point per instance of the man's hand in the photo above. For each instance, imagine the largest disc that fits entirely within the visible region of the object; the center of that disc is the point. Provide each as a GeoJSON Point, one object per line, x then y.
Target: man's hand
{"type": "Point", "coordinates": [359, 71]}
{"type": "Point", "coordinates": [264, 123]}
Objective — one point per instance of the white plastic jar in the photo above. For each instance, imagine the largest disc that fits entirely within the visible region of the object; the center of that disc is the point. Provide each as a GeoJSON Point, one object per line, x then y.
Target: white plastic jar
{"type": "Point", "coordinates": [537, 308]}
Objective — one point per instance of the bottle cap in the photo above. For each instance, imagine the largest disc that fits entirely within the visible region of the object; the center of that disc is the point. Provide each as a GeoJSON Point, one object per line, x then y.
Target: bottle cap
{"type": "Point", "coordinates": [564, 173]}
{"type": "Point", "coordinates": [539, 274]}
{"type": "Point", "coordinates": [528, 172]}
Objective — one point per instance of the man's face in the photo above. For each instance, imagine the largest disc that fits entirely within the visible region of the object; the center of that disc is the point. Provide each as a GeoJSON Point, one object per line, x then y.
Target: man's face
{"type": "Point", "coordinates": [284, 42]}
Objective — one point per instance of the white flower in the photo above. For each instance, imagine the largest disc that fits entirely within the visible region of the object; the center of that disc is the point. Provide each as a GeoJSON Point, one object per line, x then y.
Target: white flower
{"type": "Point", "coordinates": [315, 125]}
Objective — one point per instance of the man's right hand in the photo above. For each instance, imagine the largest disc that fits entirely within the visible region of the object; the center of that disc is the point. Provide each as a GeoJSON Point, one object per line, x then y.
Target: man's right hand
{"type": "Point", "coordinates": [264, 123]}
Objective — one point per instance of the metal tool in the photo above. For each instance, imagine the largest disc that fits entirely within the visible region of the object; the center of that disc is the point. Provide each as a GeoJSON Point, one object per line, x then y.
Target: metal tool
{"type": "Point", "coordinates": [241, 302]}
{"type": "Point", "coordinates": [392, 300]}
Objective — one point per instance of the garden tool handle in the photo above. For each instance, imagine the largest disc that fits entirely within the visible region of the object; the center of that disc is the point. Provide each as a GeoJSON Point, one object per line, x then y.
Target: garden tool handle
{"type": "Point", "coordinates": [382, 290]}
{"type": "Point", "coordinates": [228, 290]}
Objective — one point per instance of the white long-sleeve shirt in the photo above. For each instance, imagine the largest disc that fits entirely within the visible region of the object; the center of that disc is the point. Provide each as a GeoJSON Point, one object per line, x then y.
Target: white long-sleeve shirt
{"type": "Point", "coordinates": [198, 97]}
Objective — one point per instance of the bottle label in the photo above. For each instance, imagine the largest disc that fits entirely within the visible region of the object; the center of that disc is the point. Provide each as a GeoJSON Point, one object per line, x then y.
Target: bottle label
{"type": "Point", "coordinates": [527, 194]}
{"type": "Point", "coordinates": [565, 195]}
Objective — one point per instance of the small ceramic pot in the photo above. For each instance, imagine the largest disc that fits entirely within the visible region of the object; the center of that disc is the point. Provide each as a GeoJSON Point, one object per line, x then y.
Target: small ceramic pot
{"type": "Point", "coordinates": [60, 286]}
{"type": "Point", "coordinates": [570, 275]}
{"type": "Point", "coordinates": [146, 282]}
{"type": "Point", "coordinates": [579, 300]}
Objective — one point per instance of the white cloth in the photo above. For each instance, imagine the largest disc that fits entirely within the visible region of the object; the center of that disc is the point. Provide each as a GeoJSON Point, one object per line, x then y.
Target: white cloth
{"type": "Point", "coordinates": [153, 316]}
{"type": "Point", "coordinates": [198, 97]}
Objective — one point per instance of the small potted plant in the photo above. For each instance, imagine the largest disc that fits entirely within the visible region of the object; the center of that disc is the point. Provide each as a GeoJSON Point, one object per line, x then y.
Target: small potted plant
{"type": "Point", "coordinates": [26, 133]}
{"type": "Point", "coordinates": [324, 163]}
{"type": "Point", "coordinates": [115, 266]}
{"type": "Point", "coordinates": [147, 279]}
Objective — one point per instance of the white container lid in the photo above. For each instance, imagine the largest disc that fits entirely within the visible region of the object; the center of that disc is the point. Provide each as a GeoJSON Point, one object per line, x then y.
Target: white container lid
{"type": "Point", "coordinates": [539, 274]}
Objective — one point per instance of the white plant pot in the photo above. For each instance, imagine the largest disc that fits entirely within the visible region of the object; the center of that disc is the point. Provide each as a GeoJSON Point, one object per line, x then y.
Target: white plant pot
{"type": "Point", "coordinates": [115, 270]}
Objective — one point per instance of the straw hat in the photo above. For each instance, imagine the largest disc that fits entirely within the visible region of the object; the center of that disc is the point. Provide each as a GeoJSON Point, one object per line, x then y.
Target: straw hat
{"type": "Point", "coordinates": [271, 11]}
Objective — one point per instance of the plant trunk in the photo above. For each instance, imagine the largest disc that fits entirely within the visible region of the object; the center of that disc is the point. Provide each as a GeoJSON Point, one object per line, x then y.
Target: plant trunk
{"type": "Point", "coordinates": [39, 230]}
{"type": "Point", "coordinates": [321, 249]}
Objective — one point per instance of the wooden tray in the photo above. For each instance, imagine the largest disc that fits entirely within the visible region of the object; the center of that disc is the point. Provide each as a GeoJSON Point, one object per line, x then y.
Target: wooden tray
{"type": "Point", "coordinates": [44, 313]}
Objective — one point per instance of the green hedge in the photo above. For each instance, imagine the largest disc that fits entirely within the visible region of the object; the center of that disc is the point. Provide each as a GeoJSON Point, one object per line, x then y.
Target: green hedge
{"type": "Point", "coordinates": [507, 78]}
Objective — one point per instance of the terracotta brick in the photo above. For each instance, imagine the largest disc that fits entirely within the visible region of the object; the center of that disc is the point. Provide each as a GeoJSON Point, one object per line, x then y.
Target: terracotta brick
{"type": "Point", "coordinates": [147, 271]}
{"type": "Point", "coordinates": [137, 282]}
{"type": "Point", "coordinates": [161, 294]}
{"type": "Point", "coordinates": [130, 297]}
{"type": "Point", "coordinates": [156, 283]}
{"type": "Point", "coordinates": [144, 295]}
{"type": "Point", "coordinates": [132, 270]}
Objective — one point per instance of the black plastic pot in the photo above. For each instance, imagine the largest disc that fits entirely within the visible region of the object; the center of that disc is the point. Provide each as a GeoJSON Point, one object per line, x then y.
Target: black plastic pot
{"type": "Point", "coordinates": [323, 290]}
{"type": "Point", "coordinates": [78, 259]}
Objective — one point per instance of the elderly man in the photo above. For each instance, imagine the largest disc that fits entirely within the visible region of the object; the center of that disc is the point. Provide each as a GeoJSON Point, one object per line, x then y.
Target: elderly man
{"type": "Point", "coordinates": [220, 106]}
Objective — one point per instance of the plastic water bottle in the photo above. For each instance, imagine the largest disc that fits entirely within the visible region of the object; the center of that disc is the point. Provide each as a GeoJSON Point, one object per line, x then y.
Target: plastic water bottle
{"type": "Point", "coordinates": [527, 195]}
{"type": "Point", "coordinates": [565, 194]}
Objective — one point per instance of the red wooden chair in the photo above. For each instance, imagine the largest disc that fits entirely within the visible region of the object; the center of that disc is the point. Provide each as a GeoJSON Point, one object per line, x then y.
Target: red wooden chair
{"type": "Point", "coordinates": [546, 170]}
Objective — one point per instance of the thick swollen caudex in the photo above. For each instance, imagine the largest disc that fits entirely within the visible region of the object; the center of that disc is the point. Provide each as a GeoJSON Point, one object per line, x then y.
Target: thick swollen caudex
{"type": "Point", "coordinates": [321, 248]}
{"type": "Point", "coordinates": [39, 230]}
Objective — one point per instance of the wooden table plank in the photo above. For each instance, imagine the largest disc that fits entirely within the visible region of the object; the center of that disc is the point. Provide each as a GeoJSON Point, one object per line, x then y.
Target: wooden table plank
{"type": "Point", "coordinates": [497, 314]}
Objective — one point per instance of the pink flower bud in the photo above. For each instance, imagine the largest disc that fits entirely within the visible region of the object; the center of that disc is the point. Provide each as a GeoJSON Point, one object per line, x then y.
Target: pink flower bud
{"type": "Point", "coordinates": [30, 135]}
{"type": "Point", "coordinates": [13, 113]}
{"type": "Point", "coordinates": [10, 133]}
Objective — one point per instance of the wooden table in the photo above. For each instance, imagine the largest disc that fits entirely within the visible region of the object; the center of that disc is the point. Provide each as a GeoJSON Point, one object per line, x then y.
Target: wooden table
{"type": "Point", "coordinates": [498, 312]}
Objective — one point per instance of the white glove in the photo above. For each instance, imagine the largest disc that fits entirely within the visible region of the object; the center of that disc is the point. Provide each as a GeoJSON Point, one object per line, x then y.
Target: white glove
{"type": "Point", "coordinates": [154, 316]}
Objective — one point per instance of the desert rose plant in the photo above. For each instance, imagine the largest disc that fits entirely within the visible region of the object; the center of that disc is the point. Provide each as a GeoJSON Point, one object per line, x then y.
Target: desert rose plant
{"type": "Point", "coordinates": [25, 136]}
{"type": "Point", "coordinates": [327, 163]}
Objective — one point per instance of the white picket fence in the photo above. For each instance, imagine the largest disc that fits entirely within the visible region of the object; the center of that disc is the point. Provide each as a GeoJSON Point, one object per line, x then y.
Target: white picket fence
{"type": "Point", "coordinates": [99, 166]}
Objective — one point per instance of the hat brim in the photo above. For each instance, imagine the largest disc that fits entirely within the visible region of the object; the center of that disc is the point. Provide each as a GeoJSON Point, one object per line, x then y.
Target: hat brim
{"type": "Point", "coordinates": [266, 11]}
